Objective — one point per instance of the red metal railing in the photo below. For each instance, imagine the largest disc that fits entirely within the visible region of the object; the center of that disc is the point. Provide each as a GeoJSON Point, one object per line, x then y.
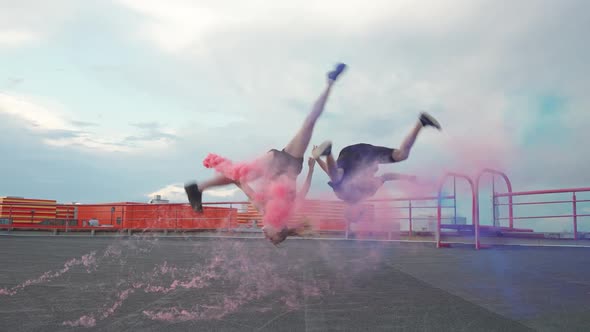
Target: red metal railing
{"type": "Point", "coordinates": [574, 202]}
{"type": "Point", "coordinates": [227, 215]}
{"type": "Point", "coordinates": [411, 207]}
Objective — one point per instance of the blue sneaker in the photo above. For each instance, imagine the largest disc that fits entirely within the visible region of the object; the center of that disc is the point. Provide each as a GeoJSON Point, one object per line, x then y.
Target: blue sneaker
{"type": "Point", "coordinates": [333, 75]}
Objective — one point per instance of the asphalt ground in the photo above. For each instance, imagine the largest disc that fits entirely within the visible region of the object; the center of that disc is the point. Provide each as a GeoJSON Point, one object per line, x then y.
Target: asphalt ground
{"type": "Point", "coordinates": [147, 283]}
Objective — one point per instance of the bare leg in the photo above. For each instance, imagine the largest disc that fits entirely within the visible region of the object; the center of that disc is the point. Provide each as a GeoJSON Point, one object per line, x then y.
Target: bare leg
{"type": "Point", "coordinates": [329, 166]}
{"type": "Point", "coordinates": [404, 150]}
{"type": "Point", "coordinates": [216, 181]}
{"type": "Point", "coordinates": [195, 191]}
{"type": "Point", "coordinates": [323, 165]}
{"type": "Point", "coordinates": [298, 145]}
{"type": "Point", "coordinates": [332, 167]}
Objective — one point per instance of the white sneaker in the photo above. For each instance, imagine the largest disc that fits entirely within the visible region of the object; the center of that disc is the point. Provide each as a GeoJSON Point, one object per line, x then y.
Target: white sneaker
{"type": "Point", "coordinates": [323, 149]}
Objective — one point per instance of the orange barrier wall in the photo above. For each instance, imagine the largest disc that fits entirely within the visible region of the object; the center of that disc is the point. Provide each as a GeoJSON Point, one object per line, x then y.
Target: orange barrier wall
{"type": "Point", "coordinates": [322, 215]}
{"type": "Point", "coordinates": [154, 216]}
{"type": "Point", "coordinates": [26, 210]}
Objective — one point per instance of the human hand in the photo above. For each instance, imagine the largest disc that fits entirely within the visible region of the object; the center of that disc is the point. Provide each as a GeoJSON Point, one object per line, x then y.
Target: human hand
{"type": "Point", "coordinates": [311, 162]}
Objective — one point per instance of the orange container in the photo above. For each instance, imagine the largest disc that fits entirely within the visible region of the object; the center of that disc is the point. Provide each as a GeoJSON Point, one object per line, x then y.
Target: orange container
{"type": "Point", "coordinates": [154, 216]}
{"type": "Point", "coordinates": [26, 210]}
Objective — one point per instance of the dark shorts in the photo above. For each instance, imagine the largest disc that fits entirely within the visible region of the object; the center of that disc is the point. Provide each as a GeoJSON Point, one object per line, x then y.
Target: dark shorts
{"type": "Point", "coordinates": [282, 163]}
{"type": "Point", "coordinates": [354, 158]}
{"type": "Point", "coordinates": [358, 156]}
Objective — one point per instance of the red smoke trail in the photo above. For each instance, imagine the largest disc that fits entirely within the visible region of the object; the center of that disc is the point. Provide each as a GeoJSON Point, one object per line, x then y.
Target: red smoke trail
{"type": "Point", "coordinates": [280, 203]}
{"type": "Point", "coordinates": [89, 261]}
{"type": "Point", "coordinates": [244, 171]}
{"type": "Point", "coordinates": [277, 196]}
{"type": "Point", "coordinates": [250, 271]}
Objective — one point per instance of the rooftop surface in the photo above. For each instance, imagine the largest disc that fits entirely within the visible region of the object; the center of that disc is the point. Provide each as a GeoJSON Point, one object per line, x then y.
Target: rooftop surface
{"type": "Point", "coordinates": [149, 283]}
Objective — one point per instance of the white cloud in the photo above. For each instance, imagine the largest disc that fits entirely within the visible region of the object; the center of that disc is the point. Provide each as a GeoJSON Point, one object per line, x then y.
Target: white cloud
{"type": "Point", "coordinates": [54, 125]}
{"type": "Point", "coordinates": [42, 120]}
{"type": "Point", "coordinates": [473, 64]}
{"type": "Point", "coordinates": [172, 192]}
{"type": "Point", "coordinates": [27, 21]}
{"type": "Point", "coordinates": [405, 58]}
{"type": "Point", "coordinates": [175, 193]}
{"type": "Point", "coordinates": [13, 38]}
{"type": "Point", "coordinates": [223, 193]}
{"type": "Point", "coordinates": [32, 112]}
{"type": "Point", "coordinates": [176, 25]}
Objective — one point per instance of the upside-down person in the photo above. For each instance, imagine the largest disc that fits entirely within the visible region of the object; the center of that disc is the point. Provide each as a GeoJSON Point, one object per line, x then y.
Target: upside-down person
{"type": "Point", "coordinates": [277, 170]}
{"type": "Point", "coordinates": [353, 175]}
{"type": "Point", "coordinates": [280, 206]}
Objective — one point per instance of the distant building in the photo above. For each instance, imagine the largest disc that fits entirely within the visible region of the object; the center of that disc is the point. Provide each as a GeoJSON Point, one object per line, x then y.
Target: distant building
{"type": "Point", "coordinates": [158, 200]}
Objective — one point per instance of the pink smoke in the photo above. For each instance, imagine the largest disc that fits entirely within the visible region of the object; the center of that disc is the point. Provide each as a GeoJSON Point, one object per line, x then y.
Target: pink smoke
{"type": "Point", "coordinates": [277, 195]}
{"type": "Point", "coordinates": [258, 279]}
{"type": "Point", "coordinates": [243, 171]}
{"type": "Point", "coordinates": [88, 261]}
{"type": "Point", "coordinates": [84, 321]}
{"type": "Point", "coordinates": [193, 282]}
{"type": "Point", "coordinates": [255, 278]}
{"type": "Point", "coordinates": [90, 320]}
{"type": "Point", "coordinates": [280, 202]}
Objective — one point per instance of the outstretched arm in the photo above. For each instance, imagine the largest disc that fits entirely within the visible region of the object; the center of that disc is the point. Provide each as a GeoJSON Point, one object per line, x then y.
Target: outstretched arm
{"type": "Point", "coordinates": [307, 184]}
{"type": "Point", "coordinates": [323, 165]}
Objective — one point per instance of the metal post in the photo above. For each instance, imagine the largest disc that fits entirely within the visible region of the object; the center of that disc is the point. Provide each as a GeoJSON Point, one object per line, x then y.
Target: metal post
{"type": "Point", "coordinates": [574, 205]}
{"type": "Point", "coordinates": [475, 217]}
{"type": "Point", "coordinates": [347, 226]}
{"type": "Point", "coordinates": [438, 219]}
{"type": "Point", "coordinates": [493, 200]}
{"type": "Point", "coordinates": [410, 219]}
{"type": "Point", "coordinates": [229, 218]}
{"type": "Point", "coordinates": [510, 211]}
{"type": "Point", "coordinates": [454, 200]}
{"type": "Point", "coordinates": [509, 194]}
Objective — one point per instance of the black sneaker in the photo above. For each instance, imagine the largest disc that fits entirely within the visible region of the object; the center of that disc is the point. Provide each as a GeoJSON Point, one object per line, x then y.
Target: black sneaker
{"type": "Point", "coordinates": [427, 120]}
{"type": "Point", "coordinates": [195, 196]}
{"type": "Point", "coordinates": [333, 75]}
{"type": "Point", "coordinates": [323, 149]}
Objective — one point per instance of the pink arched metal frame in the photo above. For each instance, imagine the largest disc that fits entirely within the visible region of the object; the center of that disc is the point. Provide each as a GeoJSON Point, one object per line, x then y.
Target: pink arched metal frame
{"type": "Point", "coordinates": [509, 194]}
{"type": "Point", "coordinates": [474, 212]}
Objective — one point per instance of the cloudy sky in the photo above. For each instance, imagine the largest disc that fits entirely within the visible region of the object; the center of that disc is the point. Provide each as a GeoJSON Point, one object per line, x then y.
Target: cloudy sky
{"type": "Point", "coordinates": [117, 100]}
